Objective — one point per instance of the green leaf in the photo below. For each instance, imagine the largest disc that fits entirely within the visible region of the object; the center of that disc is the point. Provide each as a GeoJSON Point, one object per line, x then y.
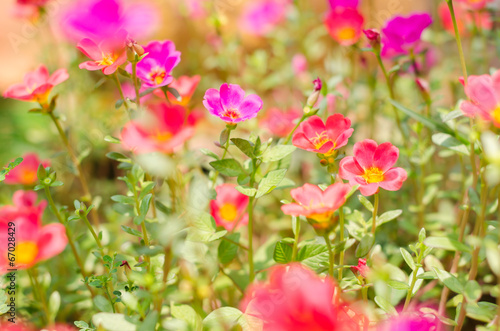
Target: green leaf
{"type": "Point", "coordinates": [146, 201]}
{"type": "Point", "coordinates": [227, 167]}
{"type": "Point", "coordinates": [123, 199]}
{"type": "Point", "coordinates": [248, 191]}
{"type": "Point", "coordinates": [472, 291]}
{"type": "Point", "coordinates": [408, 258]}
{"type": "Point", "coordinates": [282, 253]}
{"type": "Point", "coordinates": [277, 153]}
{"type": "Point", "coordinates": [449, 281]}
{"type": "Point", "coordinates": [9, 167]}
{"type": "Point", "coordinates": [117, 156]}
{"type": "Point", "coordinates": [112, 140]}
{"type": "Point", "coordinates": [227, 250]}
{"type": "Point", "coordinates": [270, 181]}
{"type": "Point", "coordinates": [208, 152]}
{"type": "Point", "coordinates": [313, 255]}
{"type": "Point", "coordinates": [112, 322]}
{"type": "Point", "coordinates": [222, 319]}
{"type": "Point", "coordinates": [187, 314]}
{"type": "Point", "coordinates": [386, 306]}
{"type": "Point", "coordinates": [447, 243]}
{"type": "Point", "coordinates": [224, 135]}
{"type": "Point", "coordinates": [388, 216]}
{"type": "Point", "coordinates": [131, 231]}
{"type": "Point", "coordinates": [365, 245]}
{"type": "Point", "coordinates": [397, 285]}
{"type": "Point", "coordinates": [452, 115]}
{"type": "Point", "coordinates": [102, 304]}
{"type": "Point", "coordinates": [245, 146]}
{"type": "Point", "coordinates": [365, 202]}
{"type": "Point", "coordinates": [483, 311]}
{"type": "Point", "coordinates": [493, 256]}
{"type": "Point", "coordinates": [447, 141]}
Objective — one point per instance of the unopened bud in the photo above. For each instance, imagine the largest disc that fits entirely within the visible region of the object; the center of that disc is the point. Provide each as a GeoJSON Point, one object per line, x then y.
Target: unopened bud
{"type": "Point", "coordinates": [423, 87]}
{"type": "Point", "coordinates": [317, 84]}
{"type": "Point", "coordinates": [313, 98]}
{"type": "Point", "coordinates": [374, 37]}
{"type": "Point", "coordinates": [134, 46]}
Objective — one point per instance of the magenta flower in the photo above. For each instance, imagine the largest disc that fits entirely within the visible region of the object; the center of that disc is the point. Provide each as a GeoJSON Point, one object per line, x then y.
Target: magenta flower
{"type": "Point", "coordinates": [37, 85]}
{"type": "Point", "coordinates": [100, 19]}
{"type": "Point", "coordinates": [260, 17]}
{"type": "Point", "coordinates": [410, 321]}
{"type": "Point", "coordinates": [155, 68]}
{"type": "Point", "coordinates": [371, 167]}
{"type": "Point", "coordinates": [344, 3]}
{"type": "Point", "coordinates": [403, 33]}
{"type": "Point", "coordinates": [230, 104]}
{"type": "Point", "coordinates": [484, 97]}
{"type": "Point", "coordinates": [107, 56]}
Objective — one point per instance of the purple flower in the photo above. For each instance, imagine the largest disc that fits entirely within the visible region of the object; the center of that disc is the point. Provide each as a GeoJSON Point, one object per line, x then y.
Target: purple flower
{"type": "Point", "coordinates": [100, 19]}
{"type": "Point", "coordinates": [344, 3]}
{"type": "Point", "coordinates": [230, 105]}
{"type": "Point", "coordinates": [411, 321]}
{"type": "Point", "coordinates": [155, 68]}
{"type": "Point", "coordinates": [260, 17]}
{"type": "Point", "coordinates": [403, 33]}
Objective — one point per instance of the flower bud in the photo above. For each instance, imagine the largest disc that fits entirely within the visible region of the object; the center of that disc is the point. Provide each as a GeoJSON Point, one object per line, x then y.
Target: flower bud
{"type": "Point", "coordinates": [361, 269]}
{"type": "Point", "coordinates": [374, 37]}
{"type": "Point", "coordinates": [423, 87]}
{"type": "Point", "coordinates": [317, 84]}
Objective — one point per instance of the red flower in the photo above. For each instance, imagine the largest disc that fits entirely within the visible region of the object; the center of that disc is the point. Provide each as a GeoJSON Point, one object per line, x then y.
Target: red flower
{"type": "Point", "coordinates": [164, 131]}
{"type": "Point", "coordinates": [185, 85]}
{"type": "Point", "coordinates": [34, 242]}
{"type": "Point", "coordinates": [25, 173]}
{"type": "Point", "coordinates": [37, 85]}
{"type": "Point", "coordinates": [317, 205]}
{"type": "Point", "coordinates": [295, 298]}
{"type": "Point", "coordinates": [314, 136]}
{"type": "Point", "coordinates": [107, 56]}
{"type": "Point", "coordinates": [228, 209]}
{"type": "Point", "coordinates": [280, 122]}
{"type": "Point", "coordinates": [344, 25]}
{"type": "Point", "coordinates": [371, 167]}
{"type": "Point", "coordinates": [361, 269]}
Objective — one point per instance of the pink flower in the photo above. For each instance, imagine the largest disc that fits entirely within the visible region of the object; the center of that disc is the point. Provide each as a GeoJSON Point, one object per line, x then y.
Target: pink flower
{"type": "Point", "coordinates": [316, 205]}
{"type": "Point", "coordinates": [361, 269]}
{"type": "Point", "coordinates": [280, 122]}
{"type": "Point", "coordinates": [260, 17]}
{"type": "Point", "coordinates": [299, 64]}
{"type": "Point", "coordinates": [34, 242]}
{"type": "Point", "coordinates": [155, 68]}
{"type": "Point", "coordinates": [37, 85]}
{"type": "Point", "coordinates": [465, 18]}
{"type": "Point", "coordinates": [484, 95]}
{"type": "Point", "coordinates": [474, 4]}
{"type": "Point", "coordinates": [167, 128]}
{"type": "Point", "coordinates": [99, 20]}
{"type": "Point", "coordinates": [230, 104]}
{"type": "Point", "coordinates": [228, 209]}
{"type": "Point", "coordinates": [402, 33]}
{"type": "Point", "coordinates": [314, 136]}
{"type": "Point", "coordinates": [410, 321]}
{"type": "Point", "coordinates": [25, 172]}
{"type": "Point", "coordinates": [107, 56]}
{"type": "Point", "coordinates": [295, 298]}
{"type": "Point", "coordinates": [371, 167]}
{"type": "Point", "coordinates": [186, 86]}
{"type": "Point", "coordinates": [344, 3]}
{"type": "Point", "coordinates": [344, 25]}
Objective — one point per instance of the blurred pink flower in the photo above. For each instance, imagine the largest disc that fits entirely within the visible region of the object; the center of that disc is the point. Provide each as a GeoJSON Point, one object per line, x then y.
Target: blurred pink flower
{"type": "Point", "coordinates": [402, 33]}
{"type": "Point", "coordinates": [299, 64]}
{"type": "Point", "coordinates": [344, 25]}
{"type": "Point", "coordinates": [343, 3]}
{"type": "Point", "coordinates": [474, 4]}
{"type": "Point", "coordinates": [261, 16]}
{"type": "Point", "coordinates": [315, 136]}
{"type": "Point", "coordinates": [315, 204]}
{"type": "Point", "coordinates": [410, 321]}
{"type": "Point", "coordinates": [465, 18]}
{"type": "Point", "coordinates": [186, 86]}
{"type": "Point", "coordinates": [25, 173]}
{"type": "Point", "coordinates": [37, 85]}
{"type": "Point", "coordinates": [155, 68]}
{"type": "Point", "coordinates": [484, 97]}
{"type": "Point", "coordinates": [230, 104]}
{"type": "Point", "coordinates": [164, 131]}
{"type": "Point", "coordinates": [280, 122]}
{"type": "Point", "coordinates": [228, 209]}
{"type": "Point", "coordinates": [196, 8]}
{"type": "Point", "coordinates": [295, 298]}
{"type": "Point", "coordinates": [34, 242]}
{"type": "Point", "coordinates": [107, 56]}
{"type": "Point", "coordinates": [100, 19]}
{"type": "Point", "coordinates": [29, 9]}
{"type": "Point", "coordinates": [371, 167]}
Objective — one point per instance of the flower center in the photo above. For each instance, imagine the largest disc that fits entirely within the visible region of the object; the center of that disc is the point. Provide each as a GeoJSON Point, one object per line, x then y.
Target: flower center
{"type": "Point", "coordinates": [231, 113]}
{"type": "Point", "coordinates": [496, 114]}
{"type": "Point", "coordinates": [162, 136]}
{"type": "Point", "coordinates": [373, 175]}
{"type": "Point", "coordinates": [321, 218]}
{"type": "Point", "coordinates": [107, 59]}
{"type": "Point", "coordinates": [228, 212]}
{"type": "Point", "coordinates": [346, 33]}
{"type": "Point", "coordinates": [320, 139]}
{"type": "Point", "coordinates": [28, 176]}
{"type": "Point", "coordinates": [26, 252]}
{"type": "Point", "coordinates": [157, 76]}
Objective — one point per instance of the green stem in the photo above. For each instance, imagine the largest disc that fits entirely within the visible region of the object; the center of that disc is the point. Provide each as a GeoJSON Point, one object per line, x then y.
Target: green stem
{"type": "Point", "coordinates": [374, 215]}
{"type": "Point", "coordinates": [296, 241]}
{"type": "Point", "coordinates": [410, 290]}
{"type": "Point", "coordinates": [74, 159]}
{"type": "Point", "coordinates": [119, 85]}
{"type": "Point", "coordinates": [341, 239]}
{"type": "Point", "coordinates": [40, 293]}
{"type": "Point", "coordinates": [458, 40]}
{"type": "Point", "coordinates": [226, 147]}
{"type": "Point", "coordinates": [235, 243]}
{"type": "Point", "coordinates": [143, 229]}
{"type": "Point", "coordinates": [250, 224]}
{"type": "Point", "coordinates": [109, 298]}
{"type": "Point", "coordinates": [136, 85]}
{"type": "Point", "coordinates": [96, 237]}
{"type": "Point", "coordinates": [287, 140]}
{"type": "Point", "coordinates": [330, 254]}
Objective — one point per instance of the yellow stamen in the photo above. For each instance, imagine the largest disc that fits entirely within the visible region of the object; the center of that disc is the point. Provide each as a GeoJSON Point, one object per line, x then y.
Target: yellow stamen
{"type": "Point", "coordinates": [28, 176]}
{"type": "Point", "coordinates": [346, 33]}
{"type": "Point", "coordinates": [322, 139]}
{"type": "Point", "coordinates": [373, 175]}
{"type": "Point", "coordinates": [107, 59]}
{"type": "Point", "coordinates": [231, 113]}
{"type": "Point", "coordinates": [496, 114]}
{"type": "Point", "coordinates": [163, 136]}
{"type": "Point", "coordinates": [228, 212]}
{"type": "Point", "coordinates": [157, 76]}
{"type": "Point", "coordinates": [26, 252]}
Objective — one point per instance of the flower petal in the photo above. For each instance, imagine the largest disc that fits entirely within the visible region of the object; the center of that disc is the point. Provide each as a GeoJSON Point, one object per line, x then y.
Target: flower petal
{"type": "Point", "coordinates": [58, 77]}
{"type": "Point", "coordinates": [250, 106]}
{"type": "Point", "coordinates": [349, 168]}
{"type": "Point", "coordinates": [212, 102]}
{"type": "Point", "coordinates": [90, 49]}
{"type": "Point", "coordinates": [231, 95]}
{"type": "Point", "coordinates": [393, 179]}
{"type": "Point", "coordinates": [385, 156]}
{"type": "Point", "coordinates": [51, 241]}
{"type": "Point", "coordinates": [364, 151]}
